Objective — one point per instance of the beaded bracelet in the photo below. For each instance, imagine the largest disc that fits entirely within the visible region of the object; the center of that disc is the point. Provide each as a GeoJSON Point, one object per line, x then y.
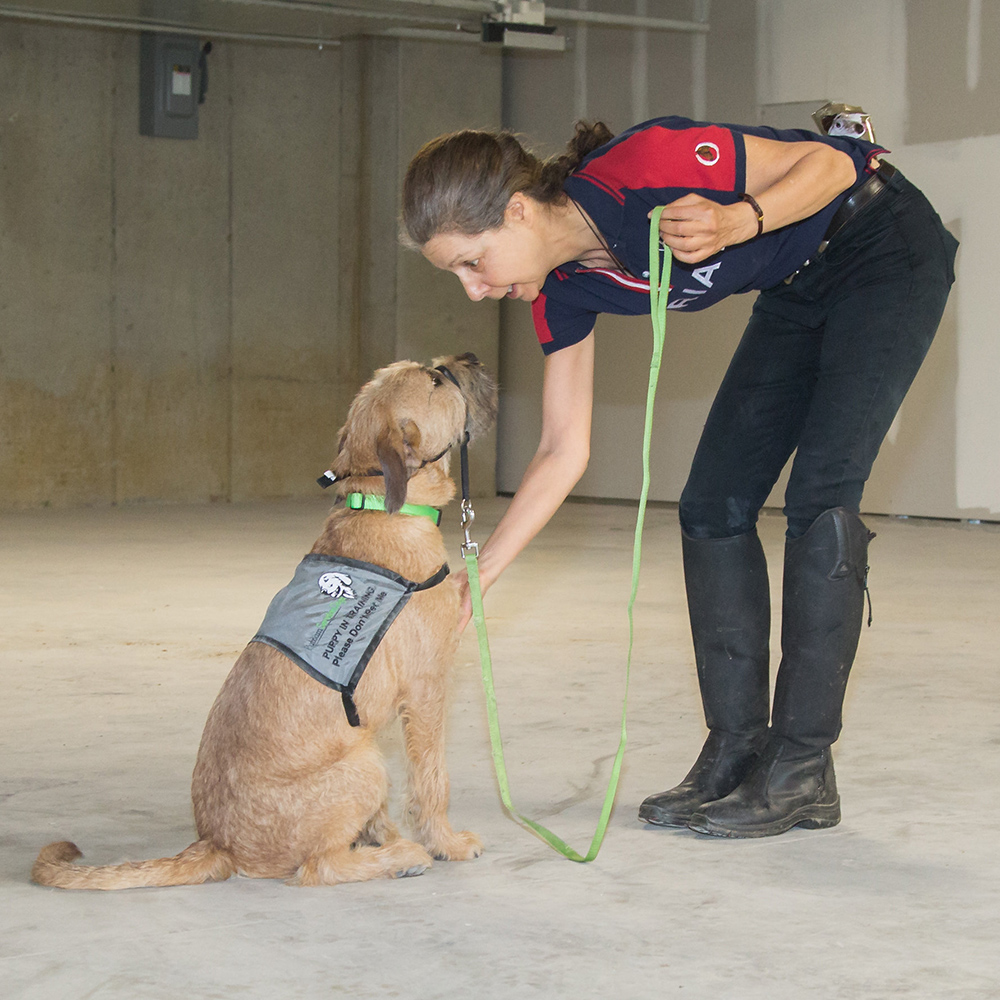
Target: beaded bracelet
{"type": "Point", "coordinates": [752, 202]}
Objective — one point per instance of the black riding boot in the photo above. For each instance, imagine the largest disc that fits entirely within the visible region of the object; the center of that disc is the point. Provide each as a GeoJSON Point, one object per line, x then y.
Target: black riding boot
{"type": "Point", "coordinates": [729, 606]}
{"type": "Point", "coordinates": [793, 783]}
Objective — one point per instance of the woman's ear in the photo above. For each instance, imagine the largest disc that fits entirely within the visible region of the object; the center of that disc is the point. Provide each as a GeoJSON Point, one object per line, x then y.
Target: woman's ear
{"type": "Point", "coordinates": [518, 207]}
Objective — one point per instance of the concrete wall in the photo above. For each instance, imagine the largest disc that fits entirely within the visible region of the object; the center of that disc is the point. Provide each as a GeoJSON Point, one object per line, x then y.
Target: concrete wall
{"type": "Point", "coordinates": [926, 71]}
{"type": "Point", "coordinates": [169, 327]}
{"type": "Point", "coordinates": [188, 320]}
{"type": "Point", "coordinates": [293, 370]}
{"type": "Point", "coordinates": [56, 252]}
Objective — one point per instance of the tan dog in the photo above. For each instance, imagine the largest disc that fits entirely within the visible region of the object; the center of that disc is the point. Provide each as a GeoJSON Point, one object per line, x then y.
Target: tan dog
{"type": "Point", "coordinates": [283, 786]}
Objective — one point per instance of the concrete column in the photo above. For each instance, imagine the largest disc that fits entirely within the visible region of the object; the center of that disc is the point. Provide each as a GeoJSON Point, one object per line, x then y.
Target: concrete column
{"type": "Point", "coordinates": [294, 372]}
{"type": "Point", "coordinates": [398, 94]}
{"type": "Point", "coordinates": [56, 395]}
{"type": "Point", "coordinates": [171, 315]}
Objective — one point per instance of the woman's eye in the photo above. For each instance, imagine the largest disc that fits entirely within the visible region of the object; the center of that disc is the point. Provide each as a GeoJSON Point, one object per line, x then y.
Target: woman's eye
{"type": "Point", "coordinates": [472, 264]}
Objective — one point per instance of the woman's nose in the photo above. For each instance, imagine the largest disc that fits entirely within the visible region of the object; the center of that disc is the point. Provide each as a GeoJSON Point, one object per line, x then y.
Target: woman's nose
{"type": "Point", "coordinates": [476, 289]}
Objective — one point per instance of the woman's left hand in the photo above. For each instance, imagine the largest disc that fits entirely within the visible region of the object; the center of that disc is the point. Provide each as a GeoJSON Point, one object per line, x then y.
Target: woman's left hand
{"type": "Point", "coordinates": [695, 228]}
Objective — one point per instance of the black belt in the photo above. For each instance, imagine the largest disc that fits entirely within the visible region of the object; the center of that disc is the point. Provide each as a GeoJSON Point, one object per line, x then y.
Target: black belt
{"type": "Point", "coordinates": [858, 199]}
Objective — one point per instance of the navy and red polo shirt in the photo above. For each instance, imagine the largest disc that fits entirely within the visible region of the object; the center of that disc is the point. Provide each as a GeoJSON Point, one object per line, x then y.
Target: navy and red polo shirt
{"type": "Point", "coordinates": [653, 164]}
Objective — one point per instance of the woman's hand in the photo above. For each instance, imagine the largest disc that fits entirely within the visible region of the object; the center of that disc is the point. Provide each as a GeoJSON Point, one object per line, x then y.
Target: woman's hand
{"type": "Point", "coordinates": [464, 599]}
{"type": "Point", "coordinates": [695, 228]}
{"type": "Point", "coordinates": [790, 180]}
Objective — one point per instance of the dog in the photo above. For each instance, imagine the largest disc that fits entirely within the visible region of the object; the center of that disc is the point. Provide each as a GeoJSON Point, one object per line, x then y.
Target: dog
{"type": "Point", "coordinates": [284, 785]}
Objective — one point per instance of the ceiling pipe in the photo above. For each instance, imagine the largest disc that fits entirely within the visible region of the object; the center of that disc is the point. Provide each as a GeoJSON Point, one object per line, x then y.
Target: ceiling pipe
{"type": "Point", "coordinates": [160, 27]}
{"type": "Point", "coordinates": [447, 25]}
{"type": "Point", "coordinates": [347, 10]}
{"type": "Point", "coordinates": [469, 37]}
{"type": "Point", "coordinates": [556, 13]}
{"type": "Point", "coordinates": [623, 20]}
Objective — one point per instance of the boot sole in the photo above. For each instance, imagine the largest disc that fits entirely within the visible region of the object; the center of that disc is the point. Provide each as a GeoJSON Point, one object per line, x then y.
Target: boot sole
{"type": "Point", "coordinates": [812, 817]}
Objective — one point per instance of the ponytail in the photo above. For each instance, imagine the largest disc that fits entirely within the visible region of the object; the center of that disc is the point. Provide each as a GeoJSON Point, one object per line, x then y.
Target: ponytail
{"type": "Point", "coordinates": [555, 170]}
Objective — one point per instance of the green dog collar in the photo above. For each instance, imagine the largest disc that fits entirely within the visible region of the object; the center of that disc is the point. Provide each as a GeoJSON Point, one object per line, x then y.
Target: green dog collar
{"type": "Point", "coordinates": [366, 501]}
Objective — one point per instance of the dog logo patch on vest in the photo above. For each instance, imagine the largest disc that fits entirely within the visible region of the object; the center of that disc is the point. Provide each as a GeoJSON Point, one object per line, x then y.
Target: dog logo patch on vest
{"type": "Point", "coordinates": [337, 585]}
{"type": "Point", "coordinates": [330, 625]}
{"type": "Point", "coordinates": [707, 154]}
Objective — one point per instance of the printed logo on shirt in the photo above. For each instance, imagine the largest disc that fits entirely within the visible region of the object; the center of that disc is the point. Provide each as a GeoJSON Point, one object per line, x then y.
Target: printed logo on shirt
{"type": "Point", "coordinates": [704, 275]}
{"type": "Point", "coordinates": [707, 154]}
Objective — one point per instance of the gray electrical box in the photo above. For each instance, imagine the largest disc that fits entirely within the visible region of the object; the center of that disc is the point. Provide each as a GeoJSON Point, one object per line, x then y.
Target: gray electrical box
{"type": "Point", "coordinates": [169, 85]}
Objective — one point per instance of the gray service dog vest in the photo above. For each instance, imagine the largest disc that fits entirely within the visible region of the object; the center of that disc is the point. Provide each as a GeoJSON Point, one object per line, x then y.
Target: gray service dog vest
{"type": "Point", "coordinates": [332, 616]}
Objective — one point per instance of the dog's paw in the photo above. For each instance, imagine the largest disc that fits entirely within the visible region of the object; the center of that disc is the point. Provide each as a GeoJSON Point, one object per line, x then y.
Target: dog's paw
{"type": "Point", "coordinates": [408, 859]}
{"type": "Point", "coordinates": [411, 871]}
{"type": "Point", "coordinates": [461, 846]}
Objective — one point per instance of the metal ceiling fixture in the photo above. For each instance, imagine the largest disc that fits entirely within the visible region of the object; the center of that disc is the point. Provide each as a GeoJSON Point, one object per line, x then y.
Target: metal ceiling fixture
{"type": "Point", "coordinates": [522, 23]}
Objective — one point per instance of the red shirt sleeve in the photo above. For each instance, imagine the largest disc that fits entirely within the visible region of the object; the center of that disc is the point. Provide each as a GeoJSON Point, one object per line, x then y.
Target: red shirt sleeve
{"type": "Point", "coordinates": [701, 157]}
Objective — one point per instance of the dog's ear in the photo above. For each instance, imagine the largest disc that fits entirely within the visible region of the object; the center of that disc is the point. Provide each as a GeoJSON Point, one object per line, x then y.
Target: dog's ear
{"type": "Point", "coordinates": [396, 451]}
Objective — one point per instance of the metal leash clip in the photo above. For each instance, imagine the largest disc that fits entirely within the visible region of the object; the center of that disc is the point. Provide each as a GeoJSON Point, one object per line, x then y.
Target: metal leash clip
{"type": "Point", "coordinates": [468, 516]}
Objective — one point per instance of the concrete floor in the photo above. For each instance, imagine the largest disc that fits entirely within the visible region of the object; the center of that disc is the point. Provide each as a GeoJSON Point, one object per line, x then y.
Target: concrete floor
{"type": "Point", "coordinates": [118, 626]}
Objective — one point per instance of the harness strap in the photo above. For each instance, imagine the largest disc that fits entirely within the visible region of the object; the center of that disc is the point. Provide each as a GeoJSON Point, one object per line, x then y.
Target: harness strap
{"type": "Point", "coordinates": [350, 709]}
{"type": "Point", "coordinates": [329, 477]}
{"type": "Point", "coordinates": [464, 450]}
{"type": "Point", "coordinates": [368, 501]}
{"type": "Point", "coordinates": [434, 580]}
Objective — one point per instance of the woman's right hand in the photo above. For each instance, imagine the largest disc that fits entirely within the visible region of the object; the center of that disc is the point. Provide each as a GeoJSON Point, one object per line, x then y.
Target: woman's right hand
{"type": "Point", "coordinates": [464, 600]}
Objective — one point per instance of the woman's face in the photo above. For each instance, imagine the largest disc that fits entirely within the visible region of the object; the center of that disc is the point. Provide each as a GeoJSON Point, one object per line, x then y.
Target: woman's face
{"type": "Point", "coordinates": [509, 262]}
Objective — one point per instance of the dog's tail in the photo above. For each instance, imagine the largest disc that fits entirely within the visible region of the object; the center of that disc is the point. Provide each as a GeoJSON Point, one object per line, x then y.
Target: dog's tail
{"type": "Point", "coordinates": [201, 862]}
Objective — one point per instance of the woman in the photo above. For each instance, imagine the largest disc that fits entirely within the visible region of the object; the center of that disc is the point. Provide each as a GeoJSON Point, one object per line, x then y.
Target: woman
{"type": "Point", "coordinates": [853, 268]}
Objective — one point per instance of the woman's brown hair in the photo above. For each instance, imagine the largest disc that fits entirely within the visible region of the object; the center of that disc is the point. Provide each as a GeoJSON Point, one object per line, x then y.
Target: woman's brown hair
{"type": "Point", "coordinates": [462, 182]}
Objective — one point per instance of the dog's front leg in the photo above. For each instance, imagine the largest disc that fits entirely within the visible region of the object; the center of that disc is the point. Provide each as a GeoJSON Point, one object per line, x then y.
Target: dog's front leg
{"type": "Point", "coordinates": [344, 794]}
{"type": "Point", "coordinates": [427, 804]}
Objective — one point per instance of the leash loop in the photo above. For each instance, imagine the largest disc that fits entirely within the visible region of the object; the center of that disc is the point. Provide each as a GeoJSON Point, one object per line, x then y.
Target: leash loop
{"type": "Point", "coordinates": [660, 260]}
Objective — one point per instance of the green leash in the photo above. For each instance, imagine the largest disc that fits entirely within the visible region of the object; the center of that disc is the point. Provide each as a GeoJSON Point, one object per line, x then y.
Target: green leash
{"type": "Point", "coordinates": [659, 287]}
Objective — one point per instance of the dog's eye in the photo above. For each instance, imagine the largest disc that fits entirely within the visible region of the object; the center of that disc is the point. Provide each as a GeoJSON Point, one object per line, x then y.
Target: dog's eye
{"type": "Point", "coordinates": [435, 378]}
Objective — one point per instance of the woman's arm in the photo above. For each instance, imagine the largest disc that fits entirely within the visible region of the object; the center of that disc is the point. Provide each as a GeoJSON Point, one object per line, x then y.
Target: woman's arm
{"type": "Point", "coordinates": [790, 180]}
{"type": "Point", "coordinates": [559, 462]}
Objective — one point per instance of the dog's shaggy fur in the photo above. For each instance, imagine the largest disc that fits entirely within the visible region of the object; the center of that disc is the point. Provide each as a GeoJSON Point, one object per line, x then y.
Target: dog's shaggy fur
{"type": "Point", "coordinates": [283, 786]}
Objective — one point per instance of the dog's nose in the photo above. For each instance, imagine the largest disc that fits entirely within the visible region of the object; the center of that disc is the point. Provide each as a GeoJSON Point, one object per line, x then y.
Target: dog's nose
{"type": "Point", "coordinates": [468, 357]}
